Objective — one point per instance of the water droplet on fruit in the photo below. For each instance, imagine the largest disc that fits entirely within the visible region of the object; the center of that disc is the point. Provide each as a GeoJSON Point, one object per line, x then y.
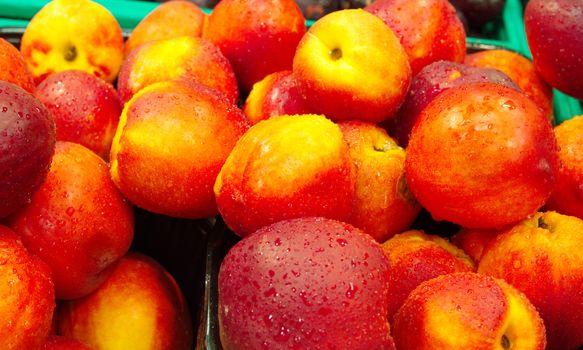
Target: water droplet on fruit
{"type": "Point", "coordinates": [70, 211]}
{"type": "Point", "coordinates": [4, 109]}
{"type": "Point", "coordinates": [304, 298]}
{"type": "Point", "coordinates": [508, 104]}
{"type": "Point", "coordinates": [341, 241]}
{"type": "Point", "coordinates": [351, 291]}
{"type": "Point", "coordinates": [268, 320]}
{"type": "Point", "coordinates": [282, 335]}
{"type": "Point", "coordinates": [277, 242]}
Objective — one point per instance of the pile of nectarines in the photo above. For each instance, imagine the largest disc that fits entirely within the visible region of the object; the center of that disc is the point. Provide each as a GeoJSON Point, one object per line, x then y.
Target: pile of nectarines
{"type": "Point", "coordinates": [319, 148]}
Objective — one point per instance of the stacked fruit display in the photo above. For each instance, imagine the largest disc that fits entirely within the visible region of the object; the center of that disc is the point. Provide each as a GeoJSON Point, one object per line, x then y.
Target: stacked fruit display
{"type": "Point", "coordinates": [318, 147]}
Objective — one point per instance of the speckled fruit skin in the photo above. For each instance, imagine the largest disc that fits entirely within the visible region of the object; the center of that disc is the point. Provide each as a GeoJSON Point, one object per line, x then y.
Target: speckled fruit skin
{"type": "Point", "coordinates": [540, 257]}
{"type": "Point", "coordinates": [553, 24]}
{"type": "Point", "coordinates": [27, 295]}
{"type": "Point", "coordinates": [77, 222]}
{"type": "Point", "coordinates": [13, 68]}
{"type": "Point", "coordinates": [138, 307]}
{"type": "Point", "coordinates": [171, 142]}
{"type": "Point", "coordinates": [308, 283]}
{"type": "Point", "coordinates": [55, 342]}
{"type": "Point", "coordinates": [276, 94]}
{"type": "Point", "coordinates": [567, 198]}
{"type": "Point", "coordinates": [73, 34]}
{"type": "Point", "coordinates": [27, 144]}
{"type": "Point", "coordinates": [482, 156]}
{"type": "Point", "coordinates": [416, 257]}
{"type": "Point", "coordinates": [169, 20]}
{"type": "Point", "coordinates": [466, 310]}
{"type": "Point", "coordinates": [259, 37]}
{"type": "Point", "coordinates": [429, 31]}
{"type": "Point", "coordinates": [383, 205]}
{"type": "Point", "coordinates": [86, 109]}
{"type": "Point", "coordinates": [434, 79]}
{"type": "Point", "coordinates": [181, 58]}
{"type": "Point", "coordinates": [350, 65]}
{"type": "Point", "coordinates": [286, 167]}
{"type": "Point", "coordinates": [521, 71]}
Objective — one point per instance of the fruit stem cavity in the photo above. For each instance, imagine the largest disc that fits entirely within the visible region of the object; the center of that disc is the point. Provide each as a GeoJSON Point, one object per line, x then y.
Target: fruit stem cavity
{"type": "Point", "coordinates": [542, 224]}
{"type": "Point", "coordinates": [71, 54]}
{"type": "Point", "coordinates": [505, 342]}
{"type": "Point", "coordinates": [335, 54]}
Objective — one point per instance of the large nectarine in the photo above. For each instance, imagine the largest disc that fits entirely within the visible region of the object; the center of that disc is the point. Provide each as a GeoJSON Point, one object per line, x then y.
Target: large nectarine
{"type": "Point", "coordinates": [469, 311]}
{"type": "Point", "coordinates": [73, 34]}
{"type": "Point", "coordinates": [286, 167]}
{"type": "Point", "coordinates": [482, 156]}
{"type": "Point", "coordinates": [350, 65]}
{"type": "Point", "coordinates": [308, 283]}
{"type": "Point", "coordinates": [171, 142]}
{"type": "Point", "coordinates": [540, 256]}
{"type": "Point", "coordinates": [139, 307]}
{"type": "Point", "coordinates": [77, 222]}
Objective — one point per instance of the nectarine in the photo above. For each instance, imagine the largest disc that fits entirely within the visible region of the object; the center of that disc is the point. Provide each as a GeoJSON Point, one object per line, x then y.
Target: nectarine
{"type": "Point", "coordinates": [482, 155]}
{"type": "Point", "coordinates": [308, 283]}
{"type": "Point", "coordinates": [77, 222]}
{"type": "Point", "coordinates": [286, 167]}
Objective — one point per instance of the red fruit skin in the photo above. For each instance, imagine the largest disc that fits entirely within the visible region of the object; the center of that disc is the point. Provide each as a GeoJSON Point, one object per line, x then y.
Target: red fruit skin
{"type": "Point", "coordinates": [275, 172]}
{"type": "Point", "coordinates": [86, 109]}
{"type": "Point", "coordinates": [417, 257]}
{"type": "Point", "coordinates": [77, 222]}
{"type": "Point", "coordinates": [567, 198]}
{"type": "Point", "coordinates": [308, 283]}
{"type": "Point", "coordinates": [138, 291]}
{"type": "Point", "coordinates": [477, 308]}
{"type": "Point", "coordinates": [198, 127]}
{"type": "Point", "coordinates": [521, 70]}
{"type": "Point", "coordinates": [258, 37]}
{"type": "Point", "coordinates": [540, 257]}
{"type": "Point", "coordinates": [27, 144]}
{"type": "Point", "coordinates": [192, 59]}
{"type": "Point", "coordinates": [434, 79]}
{"type": "Point", "coordinates": [554, 24]}
{"type": "Point", "coordinates": [27, 295]}
{"type": "Point", "coordinates": [57, 342]}
{"type": "Point", "coordinates": [482, 156]}
{"type": "Point", "coordinates": [276, 94]}
{"type": "Point", "coordinates": [13, 69]}
{"type": "Point", "coordinates": [429, 31]}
